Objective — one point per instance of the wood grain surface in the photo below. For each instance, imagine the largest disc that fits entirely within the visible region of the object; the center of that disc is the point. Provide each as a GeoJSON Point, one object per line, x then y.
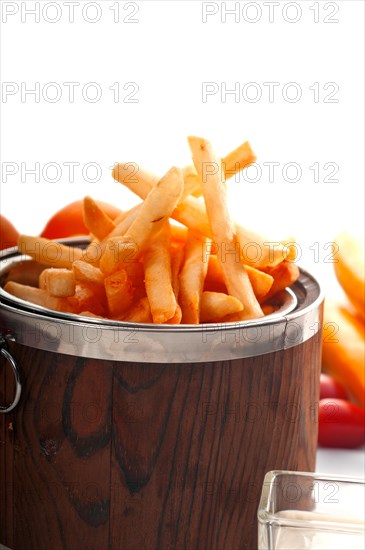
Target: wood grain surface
{"type": "Point", "coordinates": [122, 456]}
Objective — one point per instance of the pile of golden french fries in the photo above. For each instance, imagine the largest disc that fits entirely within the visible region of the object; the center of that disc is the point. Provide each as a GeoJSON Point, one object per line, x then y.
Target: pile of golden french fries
{"type": "Point", "coordinates": [143, 267]}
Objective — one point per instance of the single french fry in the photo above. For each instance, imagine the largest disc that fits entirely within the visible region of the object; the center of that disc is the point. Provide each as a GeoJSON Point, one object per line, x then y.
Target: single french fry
{"type": "Point", "coordinates": [154, 212]}
{"type": "Point", "coordinates": [211, 175]}
{"type": "Point", "coordinates": [209, 169]}
{"type": "Point", "coordinates": [284, 274]}
{"type": "Point", "coordinates": [215, 305]}
{"type": "Point", "coordinates": [86, 272]}
{"type": "Point", "coordinates": [192, 277]}
{"type": "Point", "coordinates": [158, 279]}
{"type": "Point", "coordinates": [38, 296]}
{"type": "Point", "coordinates": [238, 159]}
{"type": "Point", "coordinates": [139, 312]}
{"type": "Point", "coordinates": [177, 259]}
{"type": "Point", "coordinates": [29, 293]}
{"type": "Point", "coordinates": [96, 220]}
{"type": "Point", "coordinates": [58, 282]}
{"type": "Point", "coordinates": [47, 252]}
{"type": "Point", "coordinates": [134, 177]}
{"type": "Point", "coordinates": [292, 246]}
{"type": "Point", "coordinates": [119, 292]}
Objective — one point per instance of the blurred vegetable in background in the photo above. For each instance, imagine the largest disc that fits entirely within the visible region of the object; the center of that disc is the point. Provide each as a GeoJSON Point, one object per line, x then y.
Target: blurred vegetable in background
{"type": "Point", "coordinates": [330, 387]}
{"type": "Point", "coordinates": [343, 351]}
{"type": "Point", "coordinates": [350, 270]}
{"type": "Point", "coordinates": [8, 233]}
{"type": "Point", "coordinates": [341, 424]}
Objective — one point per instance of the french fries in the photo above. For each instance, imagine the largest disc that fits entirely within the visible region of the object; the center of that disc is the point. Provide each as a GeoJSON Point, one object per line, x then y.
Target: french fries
{"type": "Point", "coordinates": [210, 171]}
{"type": "Point", "coordinates": [140, 181]}
{"type": "Point", "coordinates": [156, 209]}
{"type": "Point", "coordinates": [256, 250]}
{"type": "Point", "coordinates": [192, 278]}
{"type": "Point", "coordinates": [140, 268]}
{"type": "Point", "coordinates": [158, 279]}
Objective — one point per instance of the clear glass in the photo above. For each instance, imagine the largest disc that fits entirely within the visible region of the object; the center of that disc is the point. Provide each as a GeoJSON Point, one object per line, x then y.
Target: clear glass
{"type": "Point", "coordinates": [301, 510]}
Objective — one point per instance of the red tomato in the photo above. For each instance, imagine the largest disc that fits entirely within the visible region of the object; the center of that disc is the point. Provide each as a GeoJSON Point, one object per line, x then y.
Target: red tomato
{"type": "Point", "coordinates": [8, 233]}
{"type": "Point", "coordinates": [69, 221]}
{"type": "Point", "coordinates": [341, 424]}
{"type": "Point", "coordinates": [330, 387]}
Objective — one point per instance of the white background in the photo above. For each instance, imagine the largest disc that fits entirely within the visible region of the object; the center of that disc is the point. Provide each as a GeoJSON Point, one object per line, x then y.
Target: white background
{"type": "Point", "coordinates": [167, 50]}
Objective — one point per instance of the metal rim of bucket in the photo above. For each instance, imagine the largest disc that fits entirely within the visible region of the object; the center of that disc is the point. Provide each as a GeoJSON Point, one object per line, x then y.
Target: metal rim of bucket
{"type": "Point", "coordinates": [31, 325]}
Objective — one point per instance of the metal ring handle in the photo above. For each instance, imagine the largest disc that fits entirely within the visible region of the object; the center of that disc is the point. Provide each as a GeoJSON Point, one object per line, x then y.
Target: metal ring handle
{"type": "Point", "coordinates": [18, 386]}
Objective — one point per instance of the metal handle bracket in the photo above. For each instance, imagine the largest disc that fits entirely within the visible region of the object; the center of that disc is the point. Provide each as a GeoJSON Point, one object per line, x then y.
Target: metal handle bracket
{"type": "Point", "coordinates": [18, 387]}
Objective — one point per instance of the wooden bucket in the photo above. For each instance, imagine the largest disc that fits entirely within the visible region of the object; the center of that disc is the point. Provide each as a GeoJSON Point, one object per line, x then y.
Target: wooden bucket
{"type": "Point", "coordinates": [137, 437]}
